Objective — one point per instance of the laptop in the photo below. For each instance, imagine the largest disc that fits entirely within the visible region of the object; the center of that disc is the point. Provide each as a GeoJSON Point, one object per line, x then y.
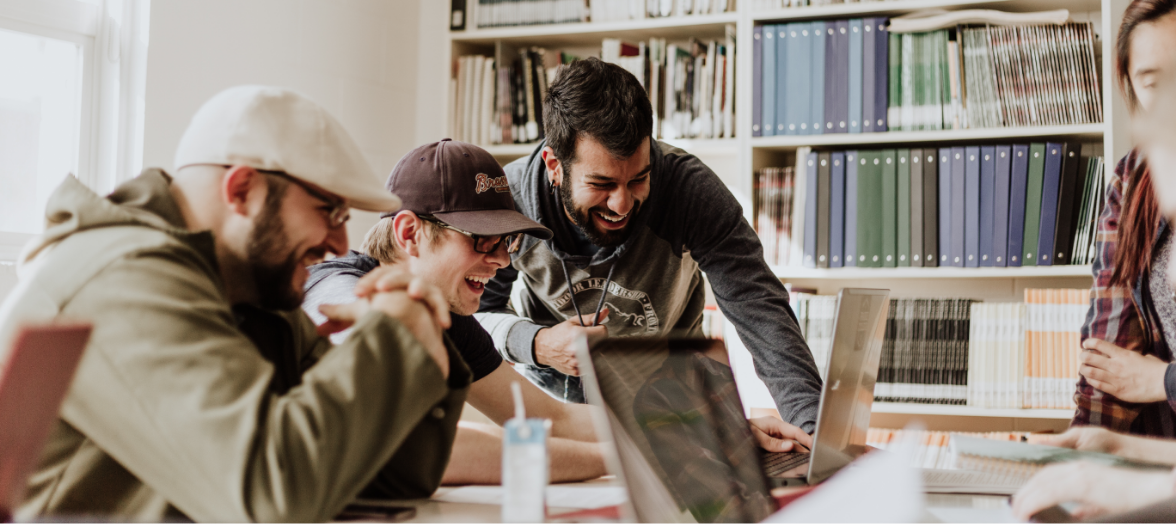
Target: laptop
{"type": "Point", "coordinates": [34, 378]}
{"type": "Point", "coordinates": [684, 448]}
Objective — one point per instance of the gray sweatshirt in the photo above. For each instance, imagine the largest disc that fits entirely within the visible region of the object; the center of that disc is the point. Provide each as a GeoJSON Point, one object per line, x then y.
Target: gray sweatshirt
{"type": "Point", "coordinates": [690, 224]}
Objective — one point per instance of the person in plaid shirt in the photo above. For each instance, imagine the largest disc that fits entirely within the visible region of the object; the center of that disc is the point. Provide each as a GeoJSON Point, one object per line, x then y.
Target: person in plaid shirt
{"type": "Point", "coordinates": [1126, 382]}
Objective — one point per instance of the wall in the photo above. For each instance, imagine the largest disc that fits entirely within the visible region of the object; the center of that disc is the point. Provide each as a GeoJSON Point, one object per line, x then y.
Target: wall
{"type": "Point", "coordinates": [358, 58]}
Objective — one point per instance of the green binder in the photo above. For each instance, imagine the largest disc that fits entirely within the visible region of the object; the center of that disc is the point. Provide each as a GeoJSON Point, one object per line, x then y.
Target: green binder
{"type": "Point", "coordinates": [865, 193]}
{"type": "Point", "coordinates": [889, 209]}
{"type": "Point", "coordinates": [904, 208]}
{"type": "Point", "coordinates": [1033, 203]}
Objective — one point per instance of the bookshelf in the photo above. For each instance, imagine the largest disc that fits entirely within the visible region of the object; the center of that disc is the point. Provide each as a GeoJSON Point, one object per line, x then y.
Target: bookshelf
{"type": "Point", "coordinates": [736, 160]}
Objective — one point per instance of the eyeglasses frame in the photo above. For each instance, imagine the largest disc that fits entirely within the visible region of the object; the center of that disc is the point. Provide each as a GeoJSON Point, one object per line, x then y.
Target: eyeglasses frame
{"type": "Point", "coordinates": [511, 247]}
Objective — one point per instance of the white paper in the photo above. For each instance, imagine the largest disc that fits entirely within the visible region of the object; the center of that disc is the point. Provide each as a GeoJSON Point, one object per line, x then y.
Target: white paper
{"type": "Point", "coordinates": [879, 487]}
{"type": "Point", "coordinates": [571, 496]}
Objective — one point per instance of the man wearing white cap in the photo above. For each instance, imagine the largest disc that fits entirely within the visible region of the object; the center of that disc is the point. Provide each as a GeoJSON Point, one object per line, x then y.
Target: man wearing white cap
{"type": "Point", "coordinates": [205, 392]}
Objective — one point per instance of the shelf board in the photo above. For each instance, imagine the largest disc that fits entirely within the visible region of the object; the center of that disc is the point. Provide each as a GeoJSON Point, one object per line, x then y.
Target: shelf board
{"type": "Point", "coordinates": [706, 146]}
{"type": "Point", "coordinates": [907, 6]}
{"type": "Point", "coordinates": [968, 411]}
{"type": "Point", "coordinates": [882, 273]}
{"type": "Point", "coordinates": [510, 150]}
{"type": "Point", "coordinates": [674, 27]}
{"type": "Point", "coordinates": [911, 137]}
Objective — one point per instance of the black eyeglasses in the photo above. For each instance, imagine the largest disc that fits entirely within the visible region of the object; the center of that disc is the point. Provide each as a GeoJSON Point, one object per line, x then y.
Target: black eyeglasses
{"type": "Point", "coordinates": [483, 244]}
{"type": "Point", "coordinates": [338, 212]}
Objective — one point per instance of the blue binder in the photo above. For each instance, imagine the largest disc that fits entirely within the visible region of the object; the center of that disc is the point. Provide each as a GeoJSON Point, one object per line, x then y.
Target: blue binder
{"type": "Point", "coordinates": [1000, 223]}
{"type": "Point", "coordinates": [837, 211]}
{"type": "Point", "coordinates": [1018, 184]}
{"type": "Point", "coordinates": [959, 189]}
{"type": "Point", "coordinates": [800, 96]}
{"type": "Point", "coordinates": [757, 81]}
{"type": "Point", "coordinates": [768, 90]}
{"type": "Point", "coordinates": [855, 75]}
{"type": "Point", "coordinates": [819, 41]}
{"type": "Point", "coordinates": [987, 210]}
{"type": "Point", "coordinates": [851, 208]}
{"type": "Point", "coordinates": [1049, 203]}
{"type": "Point", "coordinates": [841, 89]}
{"type": "Point", "coordinates": [972, 206]}
{"type": "Point", "coordinates": [868, 81]}
{"type": "Point", "coordinates": [810, 212]}
{"type": "Point", "coordinates": [785, 77]}
{"type": "Point", "coordinates": [945, 207]}
{"type": "Point", "coordinates": [881, 77]}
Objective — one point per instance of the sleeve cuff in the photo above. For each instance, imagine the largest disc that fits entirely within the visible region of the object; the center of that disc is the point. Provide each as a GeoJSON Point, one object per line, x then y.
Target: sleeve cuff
{"type": "Point", "coordinates": [1170, 383]}
{"type": "Point", "coordinates": [520, 343]}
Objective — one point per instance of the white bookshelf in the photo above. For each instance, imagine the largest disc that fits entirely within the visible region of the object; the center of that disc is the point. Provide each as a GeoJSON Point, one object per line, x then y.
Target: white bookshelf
{"type": "Point", "coordinates": [735, 160]}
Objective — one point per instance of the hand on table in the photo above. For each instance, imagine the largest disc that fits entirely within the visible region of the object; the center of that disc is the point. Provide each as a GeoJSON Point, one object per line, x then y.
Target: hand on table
{"type": "Point", "coordinates": [1098, 489]}
{"type": "Point", "coordinates": [1128, 375]}
{"type": "Point", "coordinates": [1083, 438]}
{"type": "Point", "coordinates": [553, 345]}
{"type": "Point", "coordinates": [774, 434]}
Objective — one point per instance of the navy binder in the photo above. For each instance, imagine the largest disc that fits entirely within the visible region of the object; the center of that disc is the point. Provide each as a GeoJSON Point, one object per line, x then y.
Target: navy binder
{"type": "Point", "coordinates": [851, 208]}
{"type": "Point", "coordinates": [1000, 220]}
{"type": "Point", "coordinates": [916, 251]}
{"type": "Point", "coordinates": [824, 194]}
{"type": "Point", "coordinates": [945, 207]}
{"type": "Point", "coordinates": [1018, 184]}
{"type": "Point", "coordinates": [881, 73]}
{"type": "Point", "coordinates": [855, 75]}
{"type": "Point", "coordinates": [810, 212]}
{"type": "Point", "coordinates": [959, 205]}
{"type": "Point", "coordinates": [757, 81]}
{"type": "Point", "coordinates": [931, 217]}
{"type": "Point", "coordinates": [820, 81]}
{"type": "Point", "coordinates": [987, 210]}
{"type": "Point", "coordinates": [1050, 184]}
{"type": "Point", "coordinates": [972, 206]}
{"type": "Point", "coordinates": [837, 210]}
{"type": "Point", "coordinates": [868, 81]}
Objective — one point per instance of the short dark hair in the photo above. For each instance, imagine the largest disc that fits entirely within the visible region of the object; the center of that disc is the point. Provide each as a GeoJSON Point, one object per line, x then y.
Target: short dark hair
{"type": "Point", "coordinates": [600, 100]}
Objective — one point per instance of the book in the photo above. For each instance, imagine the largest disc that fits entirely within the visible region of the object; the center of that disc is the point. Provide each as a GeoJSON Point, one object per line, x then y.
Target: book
{"type": "Point", "coordinates": [987, 205]}
{"type": "Point", "coordinates": [841, 88]}
{"type": "Point", "coordinates": [945, 200]}
{"type": "Point", "coordinates": [1033, 191]}
{"type": "Point", "coordinates": [958, 210]}
{"type": "Point", "coordinates": [903, 235]}
{"type": "Point", "coordinates": [916, 199]}
{"type": "Point", "coordinates": [812, 206]}
{"type": "Point", "coordinates": [855, 75]}
{"type": "Point", "coordinates": [819, 91]}
{"type": "Point", "coordinates": [881, 83]}
{"type": "Point", "coordinates": [1022, 458]}
{"type": "Point", "coordinates": [800, 206]}
{"type": "Point", "coordinates": [869, 73]}
{"type": "Point", "coordinates": [837, 210]}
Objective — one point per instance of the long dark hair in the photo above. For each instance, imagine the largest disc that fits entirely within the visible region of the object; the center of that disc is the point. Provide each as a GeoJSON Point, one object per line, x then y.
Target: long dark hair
{"type": "Point", "coordinates": [1140, 216]}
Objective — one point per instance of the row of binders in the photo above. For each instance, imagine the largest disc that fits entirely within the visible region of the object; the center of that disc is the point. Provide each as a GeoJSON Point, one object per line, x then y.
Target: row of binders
{"type": "Point", "coordinates": [690, 87]}
{"type": "Point", "coordinates": [855, 76]}
{"type": "Point", "coordinates": [499, 13]}
{"type": "Point", "coordinates": [963, 352]}
{"type": "Point", "coordinates": [966, 206]}
{"type": "Point", "coordinates": [768, 5]}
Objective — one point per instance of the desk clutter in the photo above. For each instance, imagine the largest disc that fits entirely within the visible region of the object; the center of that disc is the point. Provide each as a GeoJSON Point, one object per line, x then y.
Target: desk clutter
{"type": "Point", "coordinates": [965, 352]}
{"type": "Point", "coordinates": [1013, 205]}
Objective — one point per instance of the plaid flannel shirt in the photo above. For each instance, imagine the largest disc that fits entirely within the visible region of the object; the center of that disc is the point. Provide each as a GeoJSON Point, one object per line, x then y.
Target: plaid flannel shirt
{"type": "Point", "coordinates": [1123, 316]}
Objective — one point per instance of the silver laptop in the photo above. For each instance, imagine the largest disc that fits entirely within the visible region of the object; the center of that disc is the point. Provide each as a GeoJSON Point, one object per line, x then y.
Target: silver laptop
{"type": "Point", "coordinates": [685, 451]}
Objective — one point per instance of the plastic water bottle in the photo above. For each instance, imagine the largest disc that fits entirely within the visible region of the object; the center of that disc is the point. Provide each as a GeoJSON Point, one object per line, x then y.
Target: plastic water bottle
{"type": "Point", "coordinates": [524, 465]}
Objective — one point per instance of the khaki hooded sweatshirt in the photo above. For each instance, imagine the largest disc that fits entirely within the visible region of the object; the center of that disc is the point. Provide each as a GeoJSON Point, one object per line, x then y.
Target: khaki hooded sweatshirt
{"type": "Point", "coordinates": [176, 413]}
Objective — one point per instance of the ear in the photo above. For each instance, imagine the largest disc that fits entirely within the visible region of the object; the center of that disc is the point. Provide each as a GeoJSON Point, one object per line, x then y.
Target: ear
{"type": "Point", "coordinates": [240, 187]}
{"type": "Point", "coordinates": [408, 232]}
{"type": "Point", "coordinates": [553, 165]}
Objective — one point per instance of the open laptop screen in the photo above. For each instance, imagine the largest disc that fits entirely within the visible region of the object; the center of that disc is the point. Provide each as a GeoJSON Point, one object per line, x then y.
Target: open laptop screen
{"type": "Point", "coordinates": [674, 401]}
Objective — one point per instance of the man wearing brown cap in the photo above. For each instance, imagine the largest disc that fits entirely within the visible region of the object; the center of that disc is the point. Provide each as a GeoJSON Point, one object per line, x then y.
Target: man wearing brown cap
{"type": "Point", "coordinates": [636, 223]}
{"type": "Point", "coordinates": [455, 230]}
{"type": "Point", "coordinates": [205, 393]}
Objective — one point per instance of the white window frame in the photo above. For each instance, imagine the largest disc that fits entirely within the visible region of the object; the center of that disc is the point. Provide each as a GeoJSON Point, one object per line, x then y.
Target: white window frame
{"type": "Point", "coordinates": [113, 38]}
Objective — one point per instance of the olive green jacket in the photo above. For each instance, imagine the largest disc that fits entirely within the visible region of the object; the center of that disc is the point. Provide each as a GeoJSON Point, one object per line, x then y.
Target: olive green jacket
{"type": "Point", "coordinates": [173, 412]}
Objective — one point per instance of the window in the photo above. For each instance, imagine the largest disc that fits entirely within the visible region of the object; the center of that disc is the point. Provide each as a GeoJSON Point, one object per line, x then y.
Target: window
{"type": "Point", "coordinates": [71, 84]}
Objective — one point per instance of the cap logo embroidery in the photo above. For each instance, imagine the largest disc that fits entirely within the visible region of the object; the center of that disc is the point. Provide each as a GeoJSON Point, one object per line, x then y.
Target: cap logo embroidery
{"type": "Point", "coordinates": [486, 183]}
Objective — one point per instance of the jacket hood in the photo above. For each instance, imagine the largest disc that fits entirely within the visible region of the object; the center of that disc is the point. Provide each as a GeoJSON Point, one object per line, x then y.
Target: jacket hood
{"type": "Point", "coordinates": [537, 200]}
{"type": "Point", "coordinates": [142, 201]}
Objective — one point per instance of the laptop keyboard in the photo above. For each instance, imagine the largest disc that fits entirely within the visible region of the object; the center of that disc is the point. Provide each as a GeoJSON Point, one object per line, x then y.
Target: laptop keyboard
{"type": "Point", "coordinates": [776, 464]}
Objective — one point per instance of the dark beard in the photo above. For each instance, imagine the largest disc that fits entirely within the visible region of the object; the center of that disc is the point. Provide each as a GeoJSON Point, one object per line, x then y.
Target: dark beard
{"type": "Point", "coordinates": [274, 282]}
{"type": "Point", "coordinates": [582, 218]}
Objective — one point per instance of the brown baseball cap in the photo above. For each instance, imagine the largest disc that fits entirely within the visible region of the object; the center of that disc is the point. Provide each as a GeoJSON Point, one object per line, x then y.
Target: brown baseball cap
{"type": "Point", "coordinates": [462, 185]}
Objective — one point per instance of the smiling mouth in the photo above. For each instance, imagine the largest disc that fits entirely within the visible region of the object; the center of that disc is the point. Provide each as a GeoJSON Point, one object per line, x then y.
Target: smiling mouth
{"type": "Point", "coordinates": [476, 284]}
{"type": "Point", "coordinates": [611, 221]}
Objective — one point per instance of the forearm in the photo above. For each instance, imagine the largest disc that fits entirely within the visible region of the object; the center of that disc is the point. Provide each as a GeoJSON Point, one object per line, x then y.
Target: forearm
{"type": "Point", "coordinates": [477, 457]}
{"type": "Point", "coordinates": [1145, 449]}
{"type": "Point", "coordinates": [575, 423]}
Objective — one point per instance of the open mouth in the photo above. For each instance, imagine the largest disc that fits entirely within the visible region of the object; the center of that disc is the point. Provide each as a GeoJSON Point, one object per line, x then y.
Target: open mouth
{"type": "Point", "coordinates": [610, 221]}
{"type": "Point", "coordinates": [476, 284]}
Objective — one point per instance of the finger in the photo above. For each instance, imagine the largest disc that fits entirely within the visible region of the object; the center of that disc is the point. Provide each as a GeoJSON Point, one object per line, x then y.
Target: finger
{"type": "Point", "coordinates": [1106, 348]}
{"type": "Point", "coordinates": [773, 444]}
{"type": "Point", "coordinates": [1092, 373]}
{"type": "Point", "coordinates": [381, 279]}
{"type": "Point", "coordinates": [1105, 387]}
{"type": "Point", "coordinates": [440, 307]}
{"type": "Point", "coordinates": [331, 327]}
{"type": "Point", "coordinates": [1097, 360]}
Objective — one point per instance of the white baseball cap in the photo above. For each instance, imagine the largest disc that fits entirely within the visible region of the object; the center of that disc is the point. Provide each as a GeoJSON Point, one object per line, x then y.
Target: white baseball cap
{"type": "Point", "coordinates": [276, 129]}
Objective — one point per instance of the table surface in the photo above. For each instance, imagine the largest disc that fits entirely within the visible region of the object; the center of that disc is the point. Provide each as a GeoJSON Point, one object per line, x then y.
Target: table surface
{"type": "Point", "coordinates": [939, 507]}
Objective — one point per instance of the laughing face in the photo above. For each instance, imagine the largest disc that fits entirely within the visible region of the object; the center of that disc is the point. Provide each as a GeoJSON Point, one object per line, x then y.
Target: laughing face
{"type": "Point", "coordinates": [600, 193]}
{"type": "Point", "coordinates": [448, 261]}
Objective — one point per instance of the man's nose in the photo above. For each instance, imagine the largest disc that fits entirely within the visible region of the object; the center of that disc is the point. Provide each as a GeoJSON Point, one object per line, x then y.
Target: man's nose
{"type": "Point", "coordinates": [336, 241]}
{"type": "Point", "coordinates": [620, 201]}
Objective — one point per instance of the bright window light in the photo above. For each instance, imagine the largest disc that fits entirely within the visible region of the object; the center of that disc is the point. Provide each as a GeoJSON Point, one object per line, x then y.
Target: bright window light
{"type": "Point", "coordinates": [40, 124]}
